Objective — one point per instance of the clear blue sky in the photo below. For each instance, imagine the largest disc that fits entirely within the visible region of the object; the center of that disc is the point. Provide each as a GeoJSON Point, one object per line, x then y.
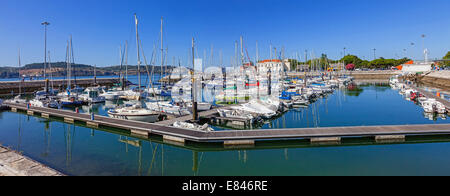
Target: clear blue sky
{"type": "Point", "coordinates": [99, 27]}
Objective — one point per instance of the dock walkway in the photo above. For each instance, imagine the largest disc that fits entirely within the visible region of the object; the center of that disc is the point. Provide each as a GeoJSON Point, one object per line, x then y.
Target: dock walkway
{"type": "Point", "coordinates": [182, 135]}
{"type": "Point", "coordinates": [15, 164]}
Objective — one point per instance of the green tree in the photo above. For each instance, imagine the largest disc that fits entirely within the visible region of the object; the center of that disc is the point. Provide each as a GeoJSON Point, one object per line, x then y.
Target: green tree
{"type": "Point", "coordinates": [447, 56]}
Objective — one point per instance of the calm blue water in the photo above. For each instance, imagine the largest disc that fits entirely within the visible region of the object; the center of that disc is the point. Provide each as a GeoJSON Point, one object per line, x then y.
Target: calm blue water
{"type": "Point", "coordinates": [367, 105]}
{"type": "Point", "coordinates": [77, 150]}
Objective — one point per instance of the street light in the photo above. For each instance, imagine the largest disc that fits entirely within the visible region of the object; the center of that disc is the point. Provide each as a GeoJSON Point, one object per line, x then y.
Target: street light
{"type": "Point", "coordinates": [374, 56]}
{"type": "Point", "coordinates": [45, 48]}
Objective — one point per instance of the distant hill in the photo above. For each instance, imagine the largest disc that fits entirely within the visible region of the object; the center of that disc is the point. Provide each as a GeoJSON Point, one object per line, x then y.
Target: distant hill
{"type": "Point", "coordinates": [54, 65]}
{"type": "Point", "coordinates": [58, 69]}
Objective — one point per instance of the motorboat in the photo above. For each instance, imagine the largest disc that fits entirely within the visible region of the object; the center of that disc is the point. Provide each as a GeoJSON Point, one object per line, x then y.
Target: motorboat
{"type": "Point", "coordinates": [71, 92]}
{"type": "Point", "coordinates": [440, 108]}
{"type": "Point", "coordinates": [19, 100]}
{"type": "Point", "coordinates": [186, 125]}
{"type": "Point", "coordinates": [300, 102]}
{"type": "Point", "coordinates": [112, 94]}
{"type": "Point", "coordinates": [70, 101]}
{"type": "Point", "coordinates": [429, 106]}
{"type": "Point", "coordinates": [167, 107]}
{"type": "Point", "coordinates": [237, 114]}
{"type": "Point", "coordinates": [44, 102]}
{"type": "Point", "coordinates": [136, 113]}
{"type": "Point", "coordinates": [201, 106]}
{"type": "Point", "coordinates": [91, 95]}
{"type": "Point", "coordinates": [256, 107]}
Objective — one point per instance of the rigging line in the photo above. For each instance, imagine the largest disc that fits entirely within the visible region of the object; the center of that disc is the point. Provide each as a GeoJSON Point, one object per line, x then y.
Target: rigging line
{"type": "Point", "coordinates": [50, 66]}
{"type": "Point", "coordinates": [148, 74]}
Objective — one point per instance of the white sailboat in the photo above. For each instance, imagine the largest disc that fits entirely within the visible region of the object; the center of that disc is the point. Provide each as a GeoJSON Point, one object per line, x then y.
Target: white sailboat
{"type": "Point", "coordinates": [135, 112]}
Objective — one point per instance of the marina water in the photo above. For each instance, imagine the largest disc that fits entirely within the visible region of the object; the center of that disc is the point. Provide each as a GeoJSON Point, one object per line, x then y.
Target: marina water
{"type": "Point", "coordinates": [78, 150]}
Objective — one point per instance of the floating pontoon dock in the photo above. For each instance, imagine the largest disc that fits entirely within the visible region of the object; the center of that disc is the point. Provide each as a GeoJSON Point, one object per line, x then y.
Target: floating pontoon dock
{"type": "Point", "coordinates": [240, 137]}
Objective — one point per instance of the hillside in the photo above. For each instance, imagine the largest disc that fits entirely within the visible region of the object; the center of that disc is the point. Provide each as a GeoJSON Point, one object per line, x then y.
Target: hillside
{"type": "Point", "coordinates": [58, 69]}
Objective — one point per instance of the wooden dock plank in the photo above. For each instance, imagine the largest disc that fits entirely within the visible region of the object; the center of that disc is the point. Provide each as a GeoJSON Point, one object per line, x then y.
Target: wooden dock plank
{"type": "Point", "coordinates": [272, 134]}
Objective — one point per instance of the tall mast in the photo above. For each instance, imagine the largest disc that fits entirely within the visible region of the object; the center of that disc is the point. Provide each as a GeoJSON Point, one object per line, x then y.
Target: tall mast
{"type": "Point", "coordinates": [242, 51]}
{"type": "Point", "coordinates": [211, 60]}
{"type": "Point", "coordinates": [194, 97]}
{"type": "Point", "coordinates": [257, 71]}
{"type": "Point", "coordinates": [162, 50]}
{"type": "Point", "coordinates": [20, 76]}
{"type": "Point", "coordinates": [73, 60]}
{"type": "Point", "coordinates": [126, 60]}
{"type": "Point", "coordinates": [45, 48]}
{"type": "Point", "coordinates": [235, 54]}
{"type": "Point", "coordinates": [138, 54]}
{"type": "Point", "coordinates": [50, 68]}
{"type": "Point", "coordinates": [257, 53]}
{"type": "Point", "coordinates": [121, 62]}
{"type": "Point", "coordinates": [69, 75]}
{"type": "Point", "coordinates": [271, 51]}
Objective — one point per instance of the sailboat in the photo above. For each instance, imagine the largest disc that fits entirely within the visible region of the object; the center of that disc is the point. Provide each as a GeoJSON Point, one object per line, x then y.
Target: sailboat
{"type": "Point", "coordinates": [18, 99]}
{"type": "Point", "coordinates": [117, 91]}
{"type": "Point", "coordinates": [70, 97]}
{"type": "Point", "coordinates": [135, 112]}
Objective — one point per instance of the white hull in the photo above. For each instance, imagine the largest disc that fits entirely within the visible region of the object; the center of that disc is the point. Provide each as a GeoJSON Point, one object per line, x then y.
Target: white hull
{"type": "Point", "coordinates": [149, 118]}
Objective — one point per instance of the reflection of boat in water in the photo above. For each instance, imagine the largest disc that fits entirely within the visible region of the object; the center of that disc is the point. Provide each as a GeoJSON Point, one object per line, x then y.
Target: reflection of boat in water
{"type": "Point", "coordinates": [433, 106]}
{"type": "Point", "coordinates": [135, 143]}
{"type": "Point", "coordinates": [434, 116]}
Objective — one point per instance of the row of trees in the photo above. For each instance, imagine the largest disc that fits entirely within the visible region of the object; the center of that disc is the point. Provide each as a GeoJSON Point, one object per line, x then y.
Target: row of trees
{"type": "Point", "coordinates": [323, 62]}
{"type": "Point", "coordinates": [380, 63]}
{"type": "Point", "coordinates": [447, 57]}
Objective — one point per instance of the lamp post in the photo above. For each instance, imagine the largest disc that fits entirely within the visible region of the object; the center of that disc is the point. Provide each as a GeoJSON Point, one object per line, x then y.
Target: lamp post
{"type": "Point", "coordinates": [374, 54]}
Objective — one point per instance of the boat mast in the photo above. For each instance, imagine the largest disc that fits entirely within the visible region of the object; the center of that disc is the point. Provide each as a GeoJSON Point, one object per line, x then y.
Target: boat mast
{"type": "Point", "coordinates": [162, 52]}
{"type": "Point", "coordinates": [138, 54]}
{"type": "Point", "coordinates": [194, 97]}
{"type": "Point", "coordinates": [73, 60]}
{"type": "Point", "coordinates": [50, 68]}
{"type": "Point", "coordinates": [256, 67]}
{"type": "Point", "coordinates": [235, 71]}
{"type": "Point", "coordinates": [20, 77]}
{"type": "Point", "coordinates": [126, 60]}
{"type": "Point", "coordinates": [45, 48]}
{"type": "Point", "coordinates": [69, 75]}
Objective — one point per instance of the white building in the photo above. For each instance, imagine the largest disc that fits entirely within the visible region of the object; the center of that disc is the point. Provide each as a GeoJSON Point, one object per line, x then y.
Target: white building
{"type": "Point", "coordinates": [274, 65]}
{"type": "Point", "coordinates": [413, 67]}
